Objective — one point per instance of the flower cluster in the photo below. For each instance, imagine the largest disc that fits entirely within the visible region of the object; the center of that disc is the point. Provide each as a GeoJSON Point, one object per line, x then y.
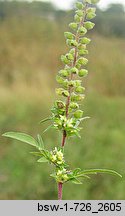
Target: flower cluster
{"type": "Point", "coordinates": [56, 157]}
{"type": "Point", "coordinates": [66, 114]}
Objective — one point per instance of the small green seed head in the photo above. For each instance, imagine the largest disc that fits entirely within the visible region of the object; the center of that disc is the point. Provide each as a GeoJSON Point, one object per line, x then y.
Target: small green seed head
{"type": "Point", "coordinates": [80, 89]}
{"type": "Point", "coordinates": [85, 40]}
{"type": "Point", "coordinates": [80, 13]}
{"type": "Point", "coordinates": [82, 30]}
{"type": "Point", "coordinates": [82, 61]}
{"type": "Point", "coordinates": [79, 5]}
{"type": "Point", "coordinates": [68, 35]}
{"type": "Point", "coordinates": [64, 73]}
{"type": "Point", "coordinates": [89, 25]}
{"type": "Point", "coordinates": [73, 26]}
{"type": "Point", "coordinates": [74, 70]}
{"type": "Point", "coordinates": [78, 114]}
{"type": "Point", "coordinates": [83, 73]}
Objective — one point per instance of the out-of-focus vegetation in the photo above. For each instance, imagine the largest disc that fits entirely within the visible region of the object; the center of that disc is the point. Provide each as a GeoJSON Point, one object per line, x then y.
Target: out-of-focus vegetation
{"type": "Point", "coordinates": [31, 36]}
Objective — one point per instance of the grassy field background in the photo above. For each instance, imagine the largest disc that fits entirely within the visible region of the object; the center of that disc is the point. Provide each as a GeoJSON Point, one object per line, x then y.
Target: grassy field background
{"type": "Point", "coordinates": [29, 60]}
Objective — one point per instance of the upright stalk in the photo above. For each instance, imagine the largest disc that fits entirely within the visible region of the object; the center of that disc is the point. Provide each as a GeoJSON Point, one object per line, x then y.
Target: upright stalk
{"type": "Point", "coordinates": [60, 185]}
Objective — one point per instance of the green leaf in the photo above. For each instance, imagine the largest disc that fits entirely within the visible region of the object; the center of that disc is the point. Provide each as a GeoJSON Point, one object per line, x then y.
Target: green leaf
{"type": "Point", "coordinates": [76, 181]}
{"type": "Point", "coordinates": [44, 120]}
{"type": "Point", "coordinates": [21, 137]}
{"type": "Point", "coordinates": [42, 160]}
{"type": "Point", "coordinates": [36, 153]}
{"type": "Point", "coordinates": [76, 171]}
{"type": "Point", "coordinates": [83, 176]}
{"type": "Point", "coordinates": [82, 119]}
{"type": "Point", "coordinates": [53, 175]}
{"type": "Point", "coordinates": [95, 171]}
{"type": "Point", "coordinates": [50, 126]}
{"type": "Point", "coordinates": [40, 141]}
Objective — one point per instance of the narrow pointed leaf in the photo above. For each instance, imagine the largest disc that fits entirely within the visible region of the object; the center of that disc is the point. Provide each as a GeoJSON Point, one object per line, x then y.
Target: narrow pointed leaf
{"type": "Point", "coordinates": [76, 181]}
{"type": "Point", "coordinates": [42, 160]}
{"type": "Point", "coordinates": [36, 153]}
{"type": "Point", "coordinates": [82, 119]}
{"type": "Point", "coordinates": [40, 141]}
{"type": "Point", "coordinates": [76, 171]}
{"type": "Point", "coordinates": [83, 176]}
{"type": "Point", "coordinates": [22, 137]}
{"type": "Point", "coordinates": [95, 171]}
{"type": "Point", "coordinates": [45, 120]}
{"type": "Point", "coordinates": [50, 126]}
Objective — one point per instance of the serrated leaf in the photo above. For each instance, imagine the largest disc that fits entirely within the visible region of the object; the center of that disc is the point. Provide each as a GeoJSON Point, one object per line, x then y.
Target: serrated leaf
{"type": "Point", "coordinates": [40, 141]}
{"type": "Point", "coordinates": [42, 160]}
{"type": "Point", "coordinates": [95, 171]}
{"type": "Point", "coordinates": [76, 181]}
{"type": "Point", "coordinates": [44, 120]}
{"type": "Point", "coordinates": [22, 137]}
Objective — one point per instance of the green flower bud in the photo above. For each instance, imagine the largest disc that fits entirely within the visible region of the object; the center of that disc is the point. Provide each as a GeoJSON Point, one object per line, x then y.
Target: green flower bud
{"type": "Point", "coordinates": [82, 30]}
{"type": "Point", "coordinates": [80, 13]}
{"type": "Point", "coordinates": [78, 83]}
{"type": "Point", "coordinates": [77, 18]}
{"type": "Point", "coordinates": [78, 65]}
{"type": "Point", "coordinates": [72, 51]}
{"type": "Point", "coordinates": [81, 46]}
{"type": "Point", "coordinates": [79, 5]}
{"type": "Point", "coordinates": [53, 158]}
{"type": "Point", "coordinates": [65, 93]}
{"type": "Point", "coordinates": [64, 59]}
{"type": "Point", "coordinates": [82, 72]}
{"type": "Point", "coordinates": [69, 56]}
{"type": "Point", "coordinates": [65, 177]}
{"type": "Point", "coordinates": [59, 91]}
{"type": "Point", "coordinates": [71, 83]}
{"type": "Point", "coordinates": [58, 124]}
{"type": "Point", "coordinates": [82, 61]}
{"type": "Point", "coordinates": [60, 104]}
{"type": "Point", "coordinates": [59, 79]}
{"type": "Point", "coordinates": [83, 52]}
{"type": "Point", "coordinates": [64, 73]}
{"type": "Point", "coordinates": [68, 35]}
{"type": "Point", "coordinates": [72, 43]}
{"type": "Point", "coordinates": [85, 40]}
{"type": "Point", "coordinates": [78, 114]}
{"type": "Point", "coordinates": [89, 25]}
{"type": "Point", "coordinates": [74, 105]}
{"type": "Point", "coordinates": [62, 92]}
{"type": "Point", "coordinates": [73, 26]}
{"type": "Point", "coordinates": [80, 89]}
{"type": "Point", "coordinates": [65, 83]}
{"type": "Point", "coordinates": [75, 97]}
{"type": "Point", "coordinates": [74, 70]}
{"type": "Point", "coordinates": [91, 10]}
{"type": "Point", "coordinates": [90, 16]}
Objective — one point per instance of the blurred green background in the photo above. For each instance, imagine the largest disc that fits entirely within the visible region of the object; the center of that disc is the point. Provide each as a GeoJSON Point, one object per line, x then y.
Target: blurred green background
{"type": "Point", "coordinates": [31, 42]}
